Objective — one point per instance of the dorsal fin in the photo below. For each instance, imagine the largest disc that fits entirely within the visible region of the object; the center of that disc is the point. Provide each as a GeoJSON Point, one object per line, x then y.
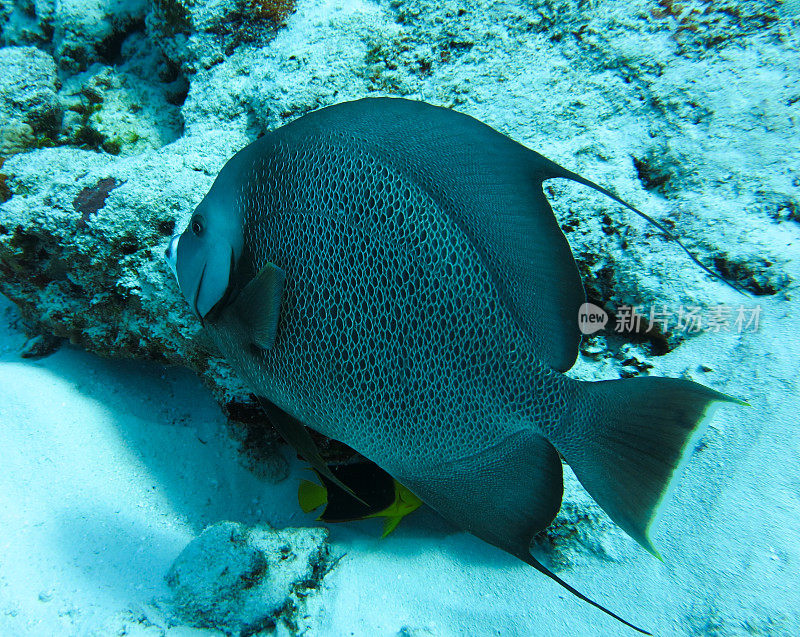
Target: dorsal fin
{"type": "Point", "coordinates": [560, 171]}
{"type": "Point", "coordinates": [490, 186]}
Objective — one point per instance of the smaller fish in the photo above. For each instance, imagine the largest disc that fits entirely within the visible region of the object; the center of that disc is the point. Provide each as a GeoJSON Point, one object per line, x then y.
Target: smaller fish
{"type": "Point", "coordinates": [381, 496]}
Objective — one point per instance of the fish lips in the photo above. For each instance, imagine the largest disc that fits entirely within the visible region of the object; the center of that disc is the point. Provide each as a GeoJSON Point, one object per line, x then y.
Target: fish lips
{"type": "Point", "coordinates": [204, 269]}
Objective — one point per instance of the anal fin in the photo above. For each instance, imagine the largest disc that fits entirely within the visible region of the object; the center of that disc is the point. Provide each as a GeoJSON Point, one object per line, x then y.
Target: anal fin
{"type": "Point", "coordinates": [504, 494]}
{"type": "Point", "coordinates": [529, 559]}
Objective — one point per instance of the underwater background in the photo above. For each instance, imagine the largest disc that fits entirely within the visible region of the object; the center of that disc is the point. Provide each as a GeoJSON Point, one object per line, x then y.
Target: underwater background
{"type": "Point", "coordinates": [140, 491]}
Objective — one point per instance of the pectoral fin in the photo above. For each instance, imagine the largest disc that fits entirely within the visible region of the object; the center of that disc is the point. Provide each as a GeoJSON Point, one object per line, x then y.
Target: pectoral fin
{"type": "Point", "coordinates": [295, 433]}
{"type": "Point", "coordinates": [258, 305]}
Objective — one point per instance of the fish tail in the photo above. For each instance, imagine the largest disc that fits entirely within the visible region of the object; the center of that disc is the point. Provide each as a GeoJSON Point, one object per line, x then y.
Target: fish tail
{"type": "Point", "coordinates": [627, 440]}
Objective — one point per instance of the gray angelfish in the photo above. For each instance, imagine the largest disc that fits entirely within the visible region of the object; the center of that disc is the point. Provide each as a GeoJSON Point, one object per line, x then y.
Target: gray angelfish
{"type": "Point", "coordinates": [390, 274]}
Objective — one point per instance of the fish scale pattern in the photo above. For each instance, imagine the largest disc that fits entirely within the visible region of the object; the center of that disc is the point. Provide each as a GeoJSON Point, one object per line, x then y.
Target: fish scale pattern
{"type": "Point", "coordinates": [390, 328]}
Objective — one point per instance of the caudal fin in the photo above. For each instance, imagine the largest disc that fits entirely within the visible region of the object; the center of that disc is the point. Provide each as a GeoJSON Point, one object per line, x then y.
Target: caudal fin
{"type": "Point", "coordinates": [628, 439]}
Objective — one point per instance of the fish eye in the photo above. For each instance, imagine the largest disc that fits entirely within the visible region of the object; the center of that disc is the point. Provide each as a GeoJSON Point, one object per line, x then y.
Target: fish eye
{"type": "Point", "coordinates": [197, 225]}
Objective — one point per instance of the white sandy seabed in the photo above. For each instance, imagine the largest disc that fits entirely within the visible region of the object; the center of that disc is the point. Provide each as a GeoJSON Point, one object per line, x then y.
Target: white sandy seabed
{"type": "Point", "coordinates": [110, 468]}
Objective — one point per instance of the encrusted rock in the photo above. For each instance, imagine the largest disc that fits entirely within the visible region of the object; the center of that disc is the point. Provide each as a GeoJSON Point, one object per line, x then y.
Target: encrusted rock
{"type": "Point", "coordinates": [198, 35]}
{"type": "Point", "coordinates": [28, 86]}
{"type": "Point", "coordinates": [16, 137]}
{"type": "Point", "coordinates": [241, 580]}
{"type": "Point", "coordinates": [89, 31]}
{"type": "Point", "coordinates": [27, 23]}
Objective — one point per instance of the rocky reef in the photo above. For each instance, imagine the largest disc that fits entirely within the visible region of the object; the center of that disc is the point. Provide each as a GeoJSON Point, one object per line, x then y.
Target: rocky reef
{"type": "Point", "coordinates": [111, 134]}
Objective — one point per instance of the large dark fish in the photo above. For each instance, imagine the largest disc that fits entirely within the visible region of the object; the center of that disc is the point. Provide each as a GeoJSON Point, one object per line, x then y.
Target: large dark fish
{"type": "Point", "coordinates": [390, 274]}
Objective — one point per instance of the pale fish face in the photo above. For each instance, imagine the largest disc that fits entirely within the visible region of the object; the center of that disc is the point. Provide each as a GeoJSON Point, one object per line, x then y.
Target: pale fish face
{"type": "Point", "coordinates": [204, 256]}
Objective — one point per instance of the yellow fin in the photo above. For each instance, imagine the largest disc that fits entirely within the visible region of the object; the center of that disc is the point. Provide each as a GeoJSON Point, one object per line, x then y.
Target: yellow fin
{"type": "Point", "coordinates": [404, 503]}
{"type": "Point", "coordinates": [390, 525]}
{"type": "Point", "coordinates": [310, 495]}
{"type": "Point", "coordinates": [407, 501]}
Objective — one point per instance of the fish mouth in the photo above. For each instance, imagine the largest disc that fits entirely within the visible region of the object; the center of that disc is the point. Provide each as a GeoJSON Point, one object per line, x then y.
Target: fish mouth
{"type": "Point", "coordinates": [196, 294]}
{"type": "Point", "coordinates": [171, 254]}
{"type": "Point", "coordinates": [205, 271]}
{"type": "Point", "coordinates": [213, 287]}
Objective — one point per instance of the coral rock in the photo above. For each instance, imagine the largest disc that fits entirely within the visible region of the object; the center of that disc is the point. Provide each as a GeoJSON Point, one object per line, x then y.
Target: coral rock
{"type": "Point", "coordinates": [241, 580]}
{"type": "Point", "coordinates": [28, 89]}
